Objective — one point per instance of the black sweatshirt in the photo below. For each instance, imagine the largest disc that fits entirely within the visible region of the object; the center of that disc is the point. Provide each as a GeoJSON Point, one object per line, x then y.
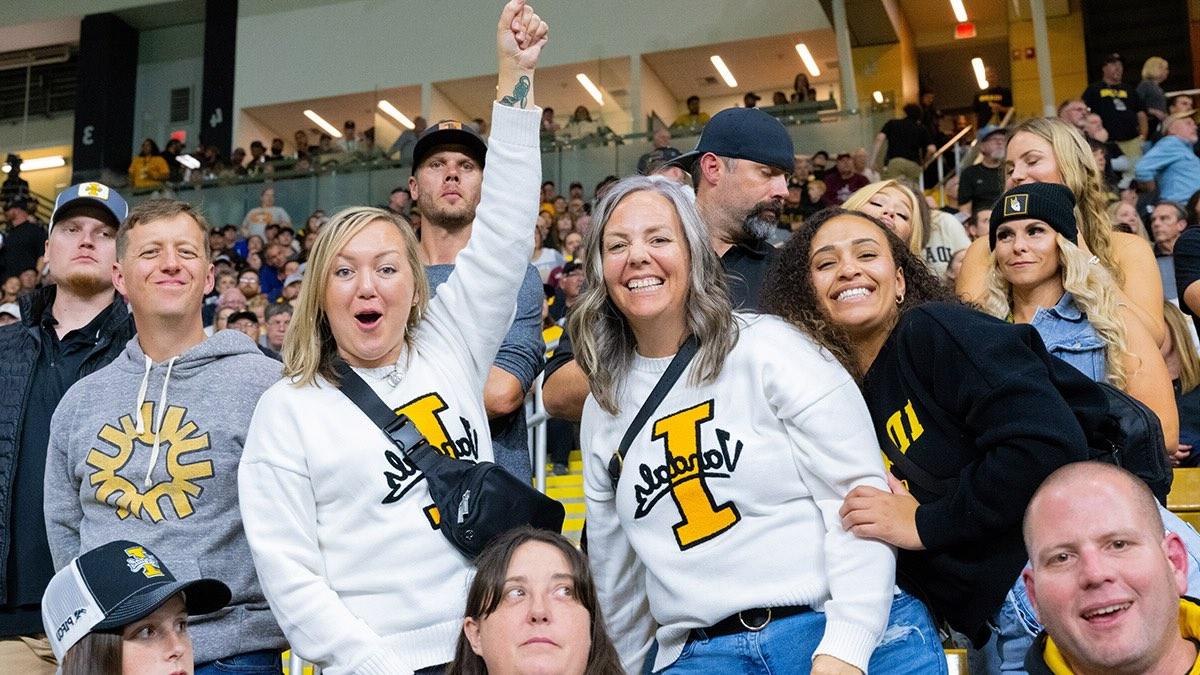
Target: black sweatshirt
{"type": "Point", "coordinates": [979, 404]}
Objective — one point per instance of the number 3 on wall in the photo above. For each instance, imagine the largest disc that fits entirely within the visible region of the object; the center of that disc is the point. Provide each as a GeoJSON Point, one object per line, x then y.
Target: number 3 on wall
{"type": "Point", "coordinates": [86, 138]}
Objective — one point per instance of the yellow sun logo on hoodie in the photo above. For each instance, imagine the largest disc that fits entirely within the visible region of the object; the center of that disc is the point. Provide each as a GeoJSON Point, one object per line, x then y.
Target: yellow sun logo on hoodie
{"type": "Point", "coordinates": [177, 438]}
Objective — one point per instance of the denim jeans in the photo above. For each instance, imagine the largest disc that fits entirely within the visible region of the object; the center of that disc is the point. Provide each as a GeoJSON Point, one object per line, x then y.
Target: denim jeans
{"type": "Point", "coordinates": [1015, 626]}
{"type": "Point", "coordinates": [909, 644]}
{"type": "Point", "coordinates": [266, 661]}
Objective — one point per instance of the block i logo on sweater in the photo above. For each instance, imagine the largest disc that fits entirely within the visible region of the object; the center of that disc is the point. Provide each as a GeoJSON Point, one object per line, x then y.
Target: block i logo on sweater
{"type": "Point", "coordinates": [117, 477]}
{"type": "Point", "coordinates": [426, 412]}
{"type": "Point", "coordinates": [685, 475]}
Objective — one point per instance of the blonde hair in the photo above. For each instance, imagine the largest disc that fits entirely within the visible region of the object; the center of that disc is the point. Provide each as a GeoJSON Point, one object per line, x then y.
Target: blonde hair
{"type": "Point", "coordinates": [310, 349]}
{"type": "Point", "coordinates": [1079, 172]}
{"type": "Point", "coordinates": [1095, 296]}
{"type": "Point", "coordinates": [1153, 67]}
{"type": "Point", "coordinates": [1114, 208]}
{"type": "Point", "coordinates": [1189, 360]}
{"type": "Point", "coordinates": [920, 229]}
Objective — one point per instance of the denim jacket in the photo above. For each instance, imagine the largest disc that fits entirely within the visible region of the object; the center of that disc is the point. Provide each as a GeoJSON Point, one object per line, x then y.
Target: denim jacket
{"type": "Point", "coordinates": [1070, 336]}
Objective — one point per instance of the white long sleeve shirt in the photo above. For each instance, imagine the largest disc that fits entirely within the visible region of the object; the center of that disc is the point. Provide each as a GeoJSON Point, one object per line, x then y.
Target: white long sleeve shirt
{"type": "Point", "coordinates": [353, 567]}
{"type": "Point", "coordinates": [729, 499]}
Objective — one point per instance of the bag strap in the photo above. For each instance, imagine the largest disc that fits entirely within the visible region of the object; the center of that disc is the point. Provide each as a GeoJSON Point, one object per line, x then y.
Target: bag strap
{"type": "Point", "coordinates": [668, 379]}
{"type": "Point", "coordinates": [397, 428]}
{"type": "Point", "coordinates": [913, 471]}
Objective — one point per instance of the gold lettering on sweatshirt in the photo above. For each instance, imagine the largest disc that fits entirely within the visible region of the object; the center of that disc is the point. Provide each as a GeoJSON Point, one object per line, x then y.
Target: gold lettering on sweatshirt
{"type": "Point", "coordinates": [119, 484]}
{"type": "Point", "coordinates": [685, 476]}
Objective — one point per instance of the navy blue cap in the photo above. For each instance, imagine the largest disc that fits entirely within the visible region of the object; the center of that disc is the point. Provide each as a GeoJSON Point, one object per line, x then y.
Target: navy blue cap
{"type": "Point", "coordinates": [449, 132]}
{"type": "Point", "coordinates": [743, 133]}
{"type": "Point", "coordinates": [114, 585]}
{"type": "Point", "coordinates": [96, 193]}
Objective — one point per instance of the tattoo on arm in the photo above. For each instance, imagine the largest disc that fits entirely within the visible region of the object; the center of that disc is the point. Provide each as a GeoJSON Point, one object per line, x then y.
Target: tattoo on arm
{"type": "Point", "coordinates": [520, 93]}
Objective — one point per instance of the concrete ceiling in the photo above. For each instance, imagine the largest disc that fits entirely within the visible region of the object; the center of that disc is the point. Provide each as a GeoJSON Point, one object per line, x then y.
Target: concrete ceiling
{"type": "Point", "coordinates": [932, 21]}
{"type": "Point", "coordinates": [556, 88]}
{"type": "Point", "coordinates": [284, 119]}
{"type": "Point", "coordinates": [761, 65]}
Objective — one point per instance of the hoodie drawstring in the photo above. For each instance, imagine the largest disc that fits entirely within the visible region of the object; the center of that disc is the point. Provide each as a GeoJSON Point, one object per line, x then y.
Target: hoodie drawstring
{"type": "Point", "coordinates": [158, 417]}
{"type": "Point", "coordinates": [139, 425]}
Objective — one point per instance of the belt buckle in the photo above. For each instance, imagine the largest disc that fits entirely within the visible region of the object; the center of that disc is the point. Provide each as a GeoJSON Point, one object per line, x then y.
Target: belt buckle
{"type": "Point", "coordinates": [754, 629]}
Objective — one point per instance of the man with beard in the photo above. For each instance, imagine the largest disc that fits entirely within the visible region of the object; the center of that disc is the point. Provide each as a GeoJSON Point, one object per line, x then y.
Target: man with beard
{"type": "Point", "coordinates": [740, 169]}
{"type": "Point", "coordinates": [447, 174]}
{"type": "Point", "coordinates": [68, 330]}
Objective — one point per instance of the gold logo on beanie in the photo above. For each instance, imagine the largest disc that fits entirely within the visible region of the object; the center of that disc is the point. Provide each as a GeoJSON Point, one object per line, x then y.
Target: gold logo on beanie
{"type": "Point", "coordinates": [1016, 205]}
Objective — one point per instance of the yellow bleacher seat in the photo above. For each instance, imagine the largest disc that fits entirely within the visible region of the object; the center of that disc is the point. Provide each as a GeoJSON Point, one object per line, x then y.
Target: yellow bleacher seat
{"type": "Point", "coordinates": [1184, 500]}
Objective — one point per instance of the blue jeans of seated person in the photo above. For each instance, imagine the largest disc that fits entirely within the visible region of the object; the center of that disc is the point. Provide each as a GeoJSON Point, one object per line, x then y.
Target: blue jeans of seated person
{"type": "Point", "coordinates": [265, 662]}
{"type": "Point", "coordinates": [910, 644]}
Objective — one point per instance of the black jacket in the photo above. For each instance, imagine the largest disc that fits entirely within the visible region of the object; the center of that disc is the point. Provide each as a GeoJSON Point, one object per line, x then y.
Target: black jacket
{"type": "Point", "coordinates": [19, 347]}
{"type": "Point", "coordinates": [981, 406]}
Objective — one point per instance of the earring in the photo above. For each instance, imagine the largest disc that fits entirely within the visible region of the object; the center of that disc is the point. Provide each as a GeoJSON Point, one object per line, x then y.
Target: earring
{"type": "Point", "coordinates": [900, 299]}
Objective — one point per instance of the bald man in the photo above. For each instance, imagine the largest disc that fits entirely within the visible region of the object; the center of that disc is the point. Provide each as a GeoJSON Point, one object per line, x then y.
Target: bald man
{"type": "Point", "coordinates": [1106, 579]}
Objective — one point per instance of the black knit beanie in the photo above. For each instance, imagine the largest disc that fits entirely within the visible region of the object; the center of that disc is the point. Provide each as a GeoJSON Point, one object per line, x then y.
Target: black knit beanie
{"type": "Point", "coordinates": [1050, 203]}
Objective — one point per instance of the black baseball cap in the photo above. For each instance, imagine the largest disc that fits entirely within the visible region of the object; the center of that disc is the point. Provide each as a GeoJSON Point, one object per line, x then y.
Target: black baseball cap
{"type": "Point", "coordinates": [239, 315]}
{"type": "Point", "coordinates": [1113, 58]}
{"type": "Point", "coordinates": [656, 159]}
{"type": "Point", "coordinates": [743, 133]}
{"type": "Point", "coordinates": [114, 585]}
{"type": "Point", "coordinates": [449, 132]}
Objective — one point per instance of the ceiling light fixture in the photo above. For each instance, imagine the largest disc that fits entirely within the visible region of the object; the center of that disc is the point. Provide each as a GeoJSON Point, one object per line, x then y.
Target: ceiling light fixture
{"type": "Point", "coordinates": [50, 162]}
{"type": "Point", "coordinates": [960, 12]}
{"type": "Point", "coordinates": [980, 73]}
{"type": "Point", "coordinates": [809, 62]}
{"type": "Point", "coordinates": [320, 121]}
{"type": "Point", "coordinates": [591, 87]}
{"type": "Point", "coordinates": [395, 114]}
{"type": "Point", "coordinates": [723, 69]}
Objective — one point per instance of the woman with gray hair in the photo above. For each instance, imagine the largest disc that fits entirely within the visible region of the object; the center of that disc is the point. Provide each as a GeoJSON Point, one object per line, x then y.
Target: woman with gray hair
{"type": "Point", "coordinates": [756, 445]}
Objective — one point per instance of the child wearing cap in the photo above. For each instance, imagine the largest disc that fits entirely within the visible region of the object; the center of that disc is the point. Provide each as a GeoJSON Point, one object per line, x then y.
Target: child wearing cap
{"type": "Point", "coordinates": [117, 609]}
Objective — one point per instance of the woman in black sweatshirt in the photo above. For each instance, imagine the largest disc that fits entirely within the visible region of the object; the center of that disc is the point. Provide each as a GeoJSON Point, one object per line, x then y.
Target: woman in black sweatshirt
{"type": "Point", "coordinates": [973, 413]}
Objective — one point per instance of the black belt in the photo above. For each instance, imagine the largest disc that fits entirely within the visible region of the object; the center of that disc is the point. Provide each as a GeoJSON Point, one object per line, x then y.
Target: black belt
{"type": "Point", "coordinates": [752, 620]}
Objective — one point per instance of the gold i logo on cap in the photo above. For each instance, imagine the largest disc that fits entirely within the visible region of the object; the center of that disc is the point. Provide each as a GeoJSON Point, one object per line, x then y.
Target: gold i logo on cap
{"type": "Point", "coordinates": [1016, 205]}
{"type": "Point", "coordinates": [141, 560]}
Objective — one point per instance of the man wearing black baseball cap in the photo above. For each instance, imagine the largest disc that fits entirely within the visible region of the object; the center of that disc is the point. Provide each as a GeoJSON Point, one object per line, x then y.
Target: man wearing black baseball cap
{"type": "Point", "coordinates": [67, 330]}
{"type": "Point", "coordinates": [1119, 107]}
{"type": "Point", "coordinates": [740, 168]}
{"type": "Point", "coordinates": [445, 185]}
{"type": "Point", "coordinates": [117, 584]}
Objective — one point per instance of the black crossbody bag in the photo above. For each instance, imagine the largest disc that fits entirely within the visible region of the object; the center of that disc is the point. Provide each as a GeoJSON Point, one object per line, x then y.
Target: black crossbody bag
{"type": "Point", "coordinates": [475, 501]}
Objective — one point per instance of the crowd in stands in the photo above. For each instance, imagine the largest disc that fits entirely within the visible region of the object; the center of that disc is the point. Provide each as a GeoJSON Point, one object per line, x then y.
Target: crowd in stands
{"type": "Point", "coordinates": [753, 348]}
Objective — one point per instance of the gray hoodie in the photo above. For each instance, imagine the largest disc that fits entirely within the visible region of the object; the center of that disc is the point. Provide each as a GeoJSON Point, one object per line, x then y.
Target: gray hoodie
{"type": "Point", "coordinates": [149, 452]}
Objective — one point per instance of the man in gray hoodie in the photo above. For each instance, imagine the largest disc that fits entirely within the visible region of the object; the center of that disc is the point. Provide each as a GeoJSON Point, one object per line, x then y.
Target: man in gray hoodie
{"type": "Point", "coordinates": [147, 448]}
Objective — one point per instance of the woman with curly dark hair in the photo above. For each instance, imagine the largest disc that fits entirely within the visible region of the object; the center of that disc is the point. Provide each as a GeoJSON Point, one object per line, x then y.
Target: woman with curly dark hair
{"type": "Point", "coordinates": [972, 410]}
{"type": "Point", "coordinates": [532, 607]}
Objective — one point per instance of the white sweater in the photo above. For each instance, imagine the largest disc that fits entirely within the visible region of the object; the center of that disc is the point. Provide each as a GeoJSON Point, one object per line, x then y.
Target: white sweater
{"type": "Point", "coordinates": [354, 570]}
{"type": "Point", "coordinates": [785, 435]}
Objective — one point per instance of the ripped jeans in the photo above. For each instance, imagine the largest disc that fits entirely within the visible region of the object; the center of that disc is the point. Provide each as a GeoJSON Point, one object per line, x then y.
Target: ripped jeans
{"type": "Point", "coordinates": [910, 644]}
